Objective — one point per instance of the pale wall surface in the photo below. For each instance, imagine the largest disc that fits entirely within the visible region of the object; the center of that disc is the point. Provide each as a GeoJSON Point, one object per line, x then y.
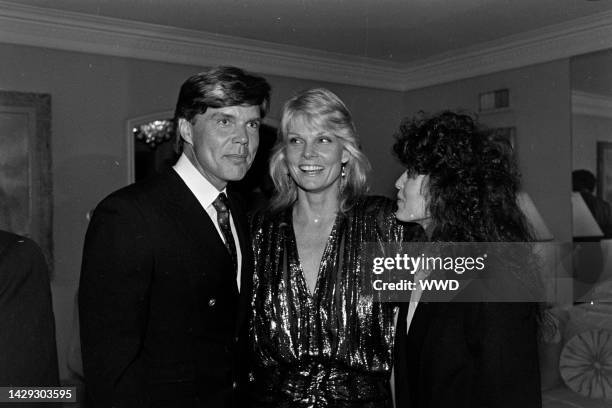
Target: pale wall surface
{"type": "Point", "coordinates": [586, 132]}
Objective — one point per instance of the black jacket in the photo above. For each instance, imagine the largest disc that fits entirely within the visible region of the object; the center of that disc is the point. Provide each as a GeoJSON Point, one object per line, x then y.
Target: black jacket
{"type": "Point", "coordinates": [468, 355]}
{"type": "Point", "coordinates": [28, 354]}
{"type": "Point", "coordinates": [162, 322]}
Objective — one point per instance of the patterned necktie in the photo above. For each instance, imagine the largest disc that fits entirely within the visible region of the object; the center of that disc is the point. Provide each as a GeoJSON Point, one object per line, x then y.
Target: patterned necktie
{"type": "Point", "coordinates": [223, 218]}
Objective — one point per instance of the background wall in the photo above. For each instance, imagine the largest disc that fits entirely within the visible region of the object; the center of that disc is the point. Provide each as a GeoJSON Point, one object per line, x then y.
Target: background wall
{"type": "Point", "coordinates": [586, 132]}
{"type": "Point", "coordinates": [591, 77]}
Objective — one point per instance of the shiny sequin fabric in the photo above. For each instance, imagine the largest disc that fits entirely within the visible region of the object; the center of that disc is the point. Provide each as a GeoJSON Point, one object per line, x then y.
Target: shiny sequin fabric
{"type": "Point", "coordinates": [332, 348]}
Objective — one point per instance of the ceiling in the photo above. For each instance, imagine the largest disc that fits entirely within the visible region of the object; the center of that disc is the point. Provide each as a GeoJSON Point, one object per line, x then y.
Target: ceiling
{"type": "Point", "coordinates": [400, 31]}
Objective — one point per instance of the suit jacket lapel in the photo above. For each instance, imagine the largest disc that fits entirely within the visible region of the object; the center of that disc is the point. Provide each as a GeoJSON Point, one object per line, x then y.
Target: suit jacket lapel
{"type": "Point", "coordinates": [193, 220]}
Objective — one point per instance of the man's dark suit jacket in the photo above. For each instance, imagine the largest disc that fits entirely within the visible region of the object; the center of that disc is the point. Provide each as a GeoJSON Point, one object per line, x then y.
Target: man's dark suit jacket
{"type": "Point", "coordinates": [162, 321]}
{"type": "Point", "coordinates": [28, 354]}
{"type": "Point", "coordinates": [468, 355]}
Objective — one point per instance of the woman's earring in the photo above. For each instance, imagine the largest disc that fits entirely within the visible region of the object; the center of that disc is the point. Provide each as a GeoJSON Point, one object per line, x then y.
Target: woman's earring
{"type": "Point", "coordinates": [343, 171]}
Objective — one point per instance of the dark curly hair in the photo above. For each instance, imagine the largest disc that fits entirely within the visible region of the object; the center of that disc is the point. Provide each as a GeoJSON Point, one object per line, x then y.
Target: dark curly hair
{"type": "Point", "coordinates": [473, 178]}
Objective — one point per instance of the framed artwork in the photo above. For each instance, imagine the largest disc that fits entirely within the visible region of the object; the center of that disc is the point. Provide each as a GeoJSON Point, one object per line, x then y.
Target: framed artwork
{"type": "Point", "coordinates": [25, 167]}
{"type": "Point", "coordinates": [604, 170]}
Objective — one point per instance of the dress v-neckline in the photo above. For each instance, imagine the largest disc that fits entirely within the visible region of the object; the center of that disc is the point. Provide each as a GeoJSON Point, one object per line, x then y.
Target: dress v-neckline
{"type": "Point", "coordinates": [311, 295]}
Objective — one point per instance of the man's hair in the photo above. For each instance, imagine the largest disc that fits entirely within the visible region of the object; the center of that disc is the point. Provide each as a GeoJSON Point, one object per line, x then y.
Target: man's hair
{"type": "Point", "coordinates": [583, 180]}
{"type": "Point", "coordinates": [220, 87]}
{"type": "Point", "coordinates": [321, 109]}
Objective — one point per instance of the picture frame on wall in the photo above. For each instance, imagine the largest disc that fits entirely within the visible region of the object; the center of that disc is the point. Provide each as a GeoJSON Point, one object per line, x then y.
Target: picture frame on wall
{"type": "Point", "coordinates": [26, 201]}
{"type": "Point", "coordinates": [604, 171]}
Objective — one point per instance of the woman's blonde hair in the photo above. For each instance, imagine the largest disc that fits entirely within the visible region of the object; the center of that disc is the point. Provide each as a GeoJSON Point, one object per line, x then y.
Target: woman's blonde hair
{"type": "Point", "coordinates": [321, 109]}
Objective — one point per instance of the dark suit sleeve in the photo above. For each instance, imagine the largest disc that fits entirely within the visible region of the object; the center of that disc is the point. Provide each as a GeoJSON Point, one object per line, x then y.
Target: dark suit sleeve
{"type": "Point", "coordinates": [113, 300]}
{"type": "Point", "coordinates": [503, 343]}
{"type": "Point", "coordinates": [28, 354]}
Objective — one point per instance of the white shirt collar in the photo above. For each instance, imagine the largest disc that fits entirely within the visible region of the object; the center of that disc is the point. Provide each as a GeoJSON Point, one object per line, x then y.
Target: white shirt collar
{"type": "Point", "coordinates": [199, 185]}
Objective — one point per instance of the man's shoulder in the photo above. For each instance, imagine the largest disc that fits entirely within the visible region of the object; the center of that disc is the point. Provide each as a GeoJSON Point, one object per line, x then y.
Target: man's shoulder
{"type": "Point", "coordinates": [9, 239]}
{"type": "Point", "coordinates": [19, 250]}
{"type": "Point", "coordinates": [159, 185]}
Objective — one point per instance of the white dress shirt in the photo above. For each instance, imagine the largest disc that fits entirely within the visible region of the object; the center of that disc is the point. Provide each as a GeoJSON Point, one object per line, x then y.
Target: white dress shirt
{"type": "Point", "coordinates": [206, 193]}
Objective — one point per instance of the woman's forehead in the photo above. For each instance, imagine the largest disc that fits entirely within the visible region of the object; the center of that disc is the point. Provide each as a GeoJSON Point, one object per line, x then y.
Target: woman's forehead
{"type": "Point", "coordinates": [306, 122]}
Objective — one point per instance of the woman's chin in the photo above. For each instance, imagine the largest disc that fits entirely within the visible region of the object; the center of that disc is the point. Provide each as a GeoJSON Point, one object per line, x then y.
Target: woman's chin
{"type": "Point", "coordinates": [403, 217]}
{"type": "Point", "coordinates": [317, 187]}
{"type": "Point", "coordinates": [400, 216]}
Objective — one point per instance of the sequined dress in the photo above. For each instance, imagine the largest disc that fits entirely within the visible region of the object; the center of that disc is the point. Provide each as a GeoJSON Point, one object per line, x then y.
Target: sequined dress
{"type": "Point", "coordinates": [332, 348]}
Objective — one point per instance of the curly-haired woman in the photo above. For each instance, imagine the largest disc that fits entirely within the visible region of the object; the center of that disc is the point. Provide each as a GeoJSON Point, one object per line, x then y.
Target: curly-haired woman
{"type": "Point", "coordinates": [461, 185]}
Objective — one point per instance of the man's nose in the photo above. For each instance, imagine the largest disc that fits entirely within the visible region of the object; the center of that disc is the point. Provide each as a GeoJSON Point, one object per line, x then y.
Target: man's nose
{"type": "Point", "coordinates": [241, 136]}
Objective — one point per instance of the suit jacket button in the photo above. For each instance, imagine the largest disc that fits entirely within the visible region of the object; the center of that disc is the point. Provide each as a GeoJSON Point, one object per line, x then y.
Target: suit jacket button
{"type": "Point", "coordinates": [234, 385]}
{"type": "Point", "coordinates": [236, 339]}
{"type": "Point", "coordinates": [211, 302]}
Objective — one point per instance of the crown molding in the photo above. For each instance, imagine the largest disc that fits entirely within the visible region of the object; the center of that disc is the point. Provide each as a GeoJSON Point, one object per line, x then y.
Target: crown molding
{"type": "Point", "coordinates": [34, 26]}
{"type": "Point", "coordinates": [39, 27]}
{"type": "Point", "coordinates": [584, 103]}
{"type": "Point", "coordinates": [565, 40]}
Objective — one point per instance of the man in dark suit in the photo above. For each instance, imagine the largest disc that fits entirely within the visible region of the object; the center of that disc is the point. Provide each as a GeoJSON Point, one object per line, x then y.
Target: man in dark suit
{"type": "Point", "coordinates": [166, 277]}
{"type": "Point", "coordinates": [28, 355]}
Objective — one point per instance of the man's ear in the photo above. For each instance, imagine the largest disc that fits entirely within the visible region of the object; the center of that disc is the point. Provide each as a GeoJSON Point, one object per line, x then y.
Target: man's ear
{"type": "Point", "coordinates": [185, 130]}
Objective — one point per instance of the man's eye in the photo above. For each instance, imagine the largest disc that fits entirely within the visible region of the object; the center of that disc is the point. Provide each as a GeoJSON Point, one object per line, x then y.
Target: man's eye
{"type": "Point", "coordinates": [253, 125]}
{"type": "Point", "coordinates": [223, 122]}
